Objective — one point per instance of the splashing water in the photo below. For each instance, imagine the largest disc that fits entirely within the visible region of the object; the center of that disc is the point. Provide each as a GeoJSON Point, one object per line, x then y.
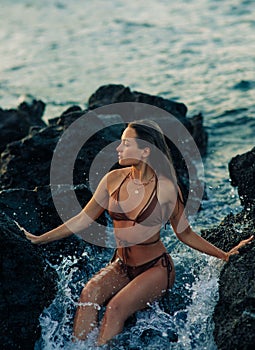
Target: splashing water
{"type": "Point", "coordinates": [182, 320]}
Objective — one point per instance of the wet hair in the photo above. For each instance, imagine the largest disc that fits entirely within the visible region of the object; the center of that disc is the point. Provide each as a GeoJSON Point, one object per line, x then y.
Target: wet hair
{"type": "Point", "coordinates": [149, 134]}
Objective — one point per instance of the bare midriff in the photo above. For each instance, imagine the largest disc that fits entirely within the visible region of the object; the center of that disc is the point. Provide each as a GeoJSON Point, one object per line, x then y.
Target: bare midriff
{"type": "Point", "coordinates": [140, 254]}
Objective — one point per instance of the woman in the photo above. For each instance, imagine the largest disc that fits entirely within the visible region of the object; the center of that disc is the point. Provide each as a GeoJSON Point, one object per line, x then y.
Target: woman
{"type": "Point", "coordinates": [140, 197]}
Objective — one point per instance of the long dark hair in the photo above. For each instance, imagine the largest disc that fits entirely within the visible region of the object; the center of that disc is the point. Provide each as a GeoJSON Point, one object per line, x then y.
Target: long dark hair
{"type": "Point", "coordinates": [151, 135]}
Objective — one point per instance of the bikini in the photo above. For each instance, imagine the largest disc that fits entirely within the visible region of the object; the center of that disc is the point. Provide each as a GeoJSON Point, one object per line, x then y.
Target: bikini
{"type": "Point", "coordinates": [146, 218]}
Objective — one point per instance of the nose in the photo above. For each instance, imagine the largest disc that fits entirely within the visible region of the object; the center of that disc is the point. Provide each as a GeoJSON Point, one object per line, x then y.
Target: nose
{"type": "Point", "coordinates": [118, 149]}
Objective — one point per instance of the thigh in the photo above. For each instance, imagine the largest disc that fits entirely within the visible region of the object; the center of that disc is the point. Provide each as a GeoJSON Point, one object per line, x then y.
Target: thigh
{"type": "Point", "coordinates": [145, 288]}
{"type": "Point", "coordinates": [106, 283]}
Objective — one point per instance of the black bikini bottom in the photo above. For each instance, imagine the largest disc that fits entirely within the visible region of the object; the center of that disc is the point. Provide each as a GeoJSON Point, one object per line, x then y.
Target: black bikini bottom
{"type": "Point", "coordinates": [133, 271]}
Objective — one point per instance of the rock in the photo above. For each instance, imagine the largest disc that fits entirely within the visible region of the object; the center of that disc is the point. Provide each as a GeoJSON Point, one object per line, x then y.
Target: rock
{"type": "Point", "coordinates": [27, 163]}
{"type": "Point", "coordinates": [15, 124]}
{"type": "Point", "coordinates": [26, 197]}
{"type": "Point", "coordinates": [26, 288]}
{"type": "Point", "coordinates": [242, 174]}
{"type": "Point", "coordinates": [234, 314]}
{"type": "Point", "coordinates": [108, 94]}
{"type": "Point", "coordinates": [28, 284]}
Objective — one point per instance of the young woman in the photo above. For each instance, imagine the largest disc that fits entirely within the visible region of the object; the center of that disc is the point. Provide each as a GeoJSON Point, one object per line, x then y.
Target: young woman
{"type": "Point", "coordinates": [139, 197]}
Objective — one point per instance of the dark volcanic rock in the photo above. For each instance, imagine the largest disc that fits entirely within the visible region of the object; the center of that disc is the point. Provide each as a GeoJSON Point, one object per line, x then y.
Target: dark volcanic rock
{"type": "Point", "coordinates": [27, 163]}
{"type": "Point", "coordinates": [15, 124]}
{"type": "Point", "coordinates": [234, 313]}
{"type": "Point", "coordinates": [27, 283]}
{"type": "Point", "coordinates": [25, 168]}
{"type": "Point", "coordinates": [242, 174]}
{"type": "Point", "coordinates": [26, 288]}
{"type": "Point", "coordinates": [112, 93]}
{"type": "Point", "coordinates": [109, 94]}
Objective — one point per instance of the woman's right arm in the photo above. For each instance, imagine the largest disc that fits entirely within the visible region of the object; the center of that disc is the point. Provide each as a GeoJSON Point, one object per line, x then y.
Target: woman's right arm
{"type": "Point", "coordinates": [94, 208]}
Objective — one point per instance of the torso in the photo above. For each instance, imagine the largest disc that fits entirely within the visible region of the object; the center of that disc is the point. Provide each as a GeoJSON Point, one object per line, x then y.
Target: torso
{"type": "Point", "coordinates": [148, 202]}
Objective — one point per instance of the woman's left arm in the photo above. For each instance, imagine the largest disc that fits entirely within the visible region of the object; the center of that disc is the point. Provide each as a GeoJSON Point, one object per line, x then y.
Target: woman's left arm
{"type": "Point", "coordinates": [186, 235]}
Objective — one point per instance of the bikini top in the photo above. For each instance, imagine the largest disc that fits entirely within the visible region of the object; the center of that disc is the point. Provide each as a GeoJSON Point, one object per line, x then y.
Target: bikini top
{"type": "Point", "coordinates": [149, 215]}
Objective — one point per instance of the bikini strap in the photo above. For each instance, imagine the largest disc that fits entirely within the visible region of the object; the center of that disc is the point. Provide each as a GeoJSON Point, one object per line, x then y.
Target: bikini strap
{"type": "Point", "coordinates": [150, 243]}
{"type": "Point", "coordinates": [115, 193]}
{"type": "Point", "coordinates": [154, 192]}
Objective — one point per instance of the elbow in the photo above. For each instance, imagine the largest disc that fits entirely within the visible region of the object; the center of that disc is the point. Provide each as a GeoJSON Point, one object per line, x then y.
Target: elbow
{"type": "Point", "coordinates": [184, 235]}
{"type": "Point", "coordinates": [181, 237]}
{"type": "Point", "coordinates": [78, 223]}
{"type": "Point", "coordinates": [83, 221]}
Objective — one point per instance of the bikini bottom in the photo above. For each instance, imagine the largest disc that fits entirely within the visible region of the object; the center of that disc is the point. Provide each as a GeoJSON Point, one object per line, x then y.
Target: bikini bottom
{"type": "Point", "coordinates": [134, 271]}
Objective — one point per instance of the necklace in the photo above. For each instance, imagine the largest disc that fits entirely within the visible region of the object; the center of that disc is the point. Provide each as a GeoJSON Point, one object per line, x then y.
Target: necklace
{"type": "Point", "coordinates": [139, 184]}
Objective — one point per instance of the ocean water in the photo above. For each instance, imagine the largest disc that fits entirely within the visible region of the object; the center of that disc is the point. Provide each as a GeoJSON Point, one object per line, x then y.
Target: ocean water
{"type": "Point", "coordinates": [200, 52]}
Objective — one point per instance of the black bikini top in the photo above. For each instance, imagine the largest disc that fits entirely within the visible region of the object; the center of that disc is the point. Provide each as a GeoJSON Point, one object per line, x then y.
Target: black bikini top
{"type": "Point", "coordinates": [149, 215]}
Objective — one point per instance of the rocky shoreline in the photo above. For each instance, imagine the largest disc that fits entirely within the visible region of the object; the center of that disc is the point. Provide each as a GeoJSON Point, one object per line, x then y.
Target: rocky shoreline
{"type": "Point", "coordinates": [28, 284]}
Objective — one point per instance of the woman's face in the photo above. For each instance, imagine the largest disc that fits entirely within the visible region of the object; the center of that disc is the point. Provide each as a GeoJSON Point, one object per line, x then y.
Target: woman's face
{"type": "Point", "coordinates": [128, 151]}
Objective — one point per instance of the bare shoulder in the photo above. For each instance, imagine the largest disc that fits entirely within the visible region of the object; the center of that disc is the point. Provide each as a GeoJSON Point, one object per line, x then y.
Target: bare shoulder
{"type": "Point", "coordinates": [118, 173]}
{"type": "Point", "coordinates": [114, 177]}
{"type": "Point", "coordinates": [166, 190]}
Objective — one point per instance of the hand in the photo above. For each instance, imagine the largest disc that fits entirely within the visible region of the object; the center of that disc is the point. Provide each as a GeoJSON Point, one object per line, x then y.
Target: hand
{"type": "Point", "coordinates": [235, 250]}
{"type": "Point", "coordinates": [32, 238]}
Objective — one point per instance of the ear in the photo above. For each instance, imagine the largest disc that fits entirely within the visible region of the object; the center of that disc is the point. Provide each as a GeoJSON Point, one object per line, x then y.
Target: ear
{"type": "Point", "coordinates": [146, 152]}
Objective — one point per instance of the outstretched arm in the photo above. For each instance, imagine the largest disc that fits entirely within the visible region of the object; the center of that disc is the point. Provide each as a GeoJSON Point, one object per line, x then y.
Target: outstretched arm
{"type": "Point", "coordinates": [185, 234]}
{"type": "Point", "coordinates": [91, 212]}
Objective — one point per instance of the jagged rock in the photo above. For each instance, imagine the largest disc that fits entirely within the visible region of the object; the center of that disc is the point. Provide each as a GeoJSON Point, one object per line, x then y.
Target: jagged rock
{"type": "Point", "coordinates": [234, 313]}
{"type": "Point", "coordinates": [27, 198]}
{"type": "Point", "coordinates": [242, 174]}
{"type": "Point", "coordinates": [108, 94]}
{"type": "Point", "coordinates": [28, 284]}
{"type": "Point", "coordinates": [26, 288]}
{"type": "Point", "coordinates": [27, 163]}
{"type": "Point", "coordinates": [15, 124]}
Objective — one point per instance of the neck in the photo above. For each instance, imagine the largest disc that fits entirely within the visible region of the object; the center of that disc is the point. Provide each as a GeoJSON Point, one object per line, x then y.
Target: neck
{"type": "Point", "coordinates": [142, 173]}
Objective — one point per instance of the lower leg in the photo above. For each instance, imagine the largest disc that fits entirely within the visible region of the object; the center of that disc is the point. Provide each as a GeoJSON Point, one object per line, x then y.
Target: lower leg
{"type": "Point", "coordinates": [85, 321]}
{"type": "Point", "coordinates": [110, 327]}
{"type": "Point", "coordinates": [147, 287]}
{"type": "Point", "coordinates": [100, 288]}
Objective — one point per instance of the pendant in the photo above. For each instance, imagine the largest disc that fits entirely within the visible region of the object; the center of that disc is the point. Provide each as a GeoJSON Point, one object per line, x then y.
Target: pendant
{"type": "Point", "coordinates": [136, 192]}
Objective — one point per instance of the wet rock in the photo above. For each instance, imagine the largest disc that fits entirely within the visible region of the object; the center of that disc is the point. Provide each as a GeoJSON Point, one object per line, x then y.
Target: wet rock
{"type": "Point", "coordinates": [234, 314]}
{"type": "Point", "coordinates": [27, 163]}
{"type": "Point", "coordinates": [28, 284]}
{"type": "Point", "coordinates": [242, 174]}
{"type": "Point", "coordinates": [15, 123]}
{"type": "Point", "coordinates": [26, 288]}
{"type": "Point", "coordinates": [26, 197]}
{"type": "Point", "coordinates": [108, 94]}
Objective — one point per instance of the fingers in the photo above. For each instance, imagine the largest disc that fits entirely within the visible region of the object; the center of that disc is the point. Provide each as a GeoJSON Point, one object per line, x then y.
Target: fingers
{"type": "Point", "coordinates": [250, 239]}
{"type": "Point", "coordinates": [32, 238]}
{"type": "Point", "coordinates": [246, 241]}
{"type": "Point", "coordinates": [235, 250]}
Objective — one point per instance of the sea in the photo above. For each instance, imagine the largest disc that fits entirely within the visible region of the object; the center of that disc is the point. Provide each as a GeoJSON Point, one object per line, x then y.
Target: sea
{"type": "Point", "coordinates": [199, 52]}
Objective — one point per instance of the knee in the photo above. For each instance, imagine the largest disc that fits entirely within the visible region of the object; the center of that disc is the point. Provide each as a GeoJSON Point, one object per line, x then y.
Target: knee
{"type": "Point", "coordinates": [90, 293]}
{"type": "Point", "coordinates": [115, 310]}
